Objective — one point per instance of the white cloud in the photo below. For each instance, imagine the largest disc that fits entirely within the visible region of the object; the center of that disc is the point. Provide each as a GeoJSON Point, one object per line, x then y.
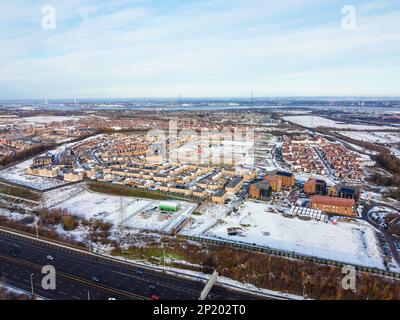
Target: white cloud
{"type": "Point", "coordinates": [208, 48]}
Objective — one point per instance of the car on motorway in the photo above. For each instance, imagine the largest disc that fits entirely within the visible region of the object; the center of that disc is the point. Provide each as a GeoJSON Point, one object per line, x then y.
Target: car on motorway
{"type": "Point", "coordinates": [155, 297]}
{"type": "Point", "coordinates": [50, 258]}
{"type": "Point", "coordinates": [96, 279]}
{"type": "Point", "coordinates": [112, 299]}
{"type": "Point", "coordinates": [139, 272]}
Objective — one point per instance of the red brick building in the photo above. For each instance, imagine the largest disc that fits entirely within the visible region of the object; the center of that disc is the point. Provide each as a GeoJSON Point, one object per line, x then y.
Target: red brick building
{"type": "Point", "coordinates": [337, 206]}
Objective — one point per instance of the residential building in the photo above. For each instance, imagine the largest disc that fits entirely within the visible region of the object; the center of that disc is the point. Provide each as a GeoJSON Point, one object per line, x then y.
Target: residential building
{"type": "Point", "coordinates": [346, 192]}
{"type": "Point", "coordinates": [337, 206]}
{"type": "Point", "coordinates": [42, 161]}
{"type": "Point", "coordinates": [275, 182]}
{"type": "Point", "coordinates": [315, 186]}
{"type": "Point", "coordinates": [260, 190]}
{"type": "Point", "coordinates": [287, 179]}
{"type": "Point", "coordinates": [74, 176]}
{"type": "Point", "coordinates": [219, 197]}
{"type": "Point", "coordinates": [234, 185]}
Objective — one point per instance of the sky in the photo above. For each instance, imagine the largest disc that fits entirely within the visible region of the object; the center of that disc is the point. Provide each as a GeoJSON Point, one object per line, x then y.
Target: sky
{"type": "Point", "coordinates": [199, 48]}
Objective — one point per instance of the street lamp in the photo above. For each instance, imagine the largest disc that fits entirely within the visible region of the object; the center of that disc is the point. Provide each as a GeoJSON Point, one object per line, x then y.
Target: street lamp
{"type": "Point", "coordinates": [90, 244]}
{"type": "Point", "coordinates": [37, 230]}
{"type": "Point", "coordinates": [32, 274]}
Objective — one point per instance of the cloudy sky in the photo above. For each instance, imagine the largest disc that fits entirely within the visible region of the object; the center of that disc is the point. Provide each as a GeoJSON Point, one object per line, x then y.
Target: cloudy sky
{"type": "Point", "coordinates": [198, 48]}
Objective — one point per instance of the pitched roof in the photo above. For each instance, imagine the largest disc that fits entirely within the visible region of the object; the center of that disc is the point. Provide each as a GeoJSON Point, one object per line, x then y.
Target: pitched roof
{"type": "Point", "coordinates": [284, 174]}
{"type": "Point", "coordinates": [331, 201]}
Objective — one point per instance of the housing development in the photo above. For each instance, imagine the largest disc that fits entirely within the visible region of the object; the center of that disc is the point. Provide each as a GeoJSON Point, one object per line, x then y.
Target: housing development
{"type": "Point", "coordinates": [159, 189]}
{"type": "Point", "coordinates": [199, 159]}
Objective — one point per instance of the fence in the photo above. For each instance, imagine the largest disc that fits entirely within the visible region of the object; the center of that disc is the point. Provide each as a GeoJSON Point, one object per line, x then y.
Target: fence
{"type": "Point", "coordinates": [291, 255]}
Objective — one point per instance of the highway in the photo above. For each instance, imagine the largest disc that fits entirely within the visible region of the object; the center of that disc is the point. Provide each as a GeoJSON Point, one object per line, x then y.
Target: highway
{"type": "Point", "coordinates": [81, 276]}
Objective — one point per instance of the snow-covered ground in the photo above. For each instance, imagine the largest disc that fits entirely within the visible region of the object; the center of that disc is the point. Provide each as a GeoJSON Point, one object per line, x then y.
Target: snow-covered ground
{"type": "Point", "coordinates": [56, 197]}
{"type": "Point", "coordinates": [353, 243]}
{"type": "Point", "coordinates": [379, 213]}
{"type": "Point", "coordinates": [236, 152]}
{"type": "Point", "coordinates": [132, 212]}
{"type": "Point", "coordinates": [315, 121]}
{"type": "Point", "coordinates": [211, 213]}
{"type": "Point", "coordinates": [47, 119]}
{"type": "Point", "coordinates": [374, 137]}
{"type": "Point", "coordinates": [17, 174]}
{"type": "Point", "coordinates": [16, 216]}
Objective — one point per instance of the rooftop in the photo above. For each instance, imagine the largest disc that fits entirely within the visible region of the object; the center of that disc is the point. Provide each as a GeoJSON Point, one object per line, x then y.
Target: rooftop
{"type": "Point", "coordinates": [332, 201]}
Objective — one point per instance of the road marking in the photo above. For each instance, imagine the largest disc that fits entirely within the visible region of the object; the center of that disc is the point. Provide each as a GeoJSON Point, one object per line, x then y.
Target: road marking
{"type": "Point", "coordinates": [104, 288]}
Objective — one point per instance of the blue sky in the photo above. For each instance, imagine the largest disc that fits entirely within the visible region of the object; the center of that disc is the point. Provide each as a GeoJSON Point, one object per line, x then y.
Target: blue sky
{"type": "Point", "coordinates": [199, 48]}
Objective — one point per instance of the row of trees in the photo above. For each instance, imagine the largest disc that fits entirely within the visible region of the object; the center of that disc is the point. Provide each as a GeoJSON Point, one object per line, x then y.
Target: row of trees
{"type": "Point", "coordinates": [25, 154]}
{"type": "Point", "coordinates": [99, 230]}
{"type": "Point", "coordinates": [389, 162]}
{"type": "Point", "coordinates": [275, 273]}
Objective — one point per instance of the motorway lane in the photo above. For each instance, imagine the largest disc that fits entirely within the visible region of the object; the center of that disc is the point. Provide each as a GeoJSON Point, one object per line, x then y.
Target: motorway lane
{"type": "Point", "coordinates": [114, 275]}
{"type": "Point", "coordinates": [18, 275]}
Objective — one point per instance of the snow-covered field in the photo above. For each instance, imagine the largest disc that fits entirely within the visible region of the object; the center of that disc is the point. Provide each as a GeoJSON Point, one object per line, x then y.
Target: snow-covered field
{"type": "Point", "coordinates": [352, 243]}
{"type": "Point", "coordinates": [211, 213]}
{"type": "Point", "coordinates": [17, 174]}
{"type": "Point", "coordinates": [56, 197]}
{"type": "Point", "coordinates": [236, 152]}
{"type": "Point", "coordinates": [374, 137]}
{"type": "Point", "coordinates": [132, 212]}
{"type": "Point", "coordinates": [315, 121]}
{"type": "Point", "coordinates": [47, 119]}
{"type": "Point", "coordinates": [379, 213]}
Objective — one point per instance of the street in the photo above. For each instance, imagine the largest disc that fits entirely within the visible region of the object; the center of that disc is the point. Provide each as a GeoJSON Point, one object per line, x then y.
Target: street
{"type": "Point", "coordinates": [80, 276]}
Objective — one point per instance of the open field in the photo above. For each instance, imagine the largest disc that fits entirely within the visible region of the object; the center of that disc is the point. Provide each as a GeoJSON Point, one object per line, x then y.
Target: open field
{"type": "Point", "coordinates": [134, 213]}
{"type": "Point", "coordinates": [315, 122]}
{"type": "Point", "coordinates": [373, 137]}
{"type": "Point", "coordinates": [352, 243]}
{"type": "Point", "coordinates": [17, 174]}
